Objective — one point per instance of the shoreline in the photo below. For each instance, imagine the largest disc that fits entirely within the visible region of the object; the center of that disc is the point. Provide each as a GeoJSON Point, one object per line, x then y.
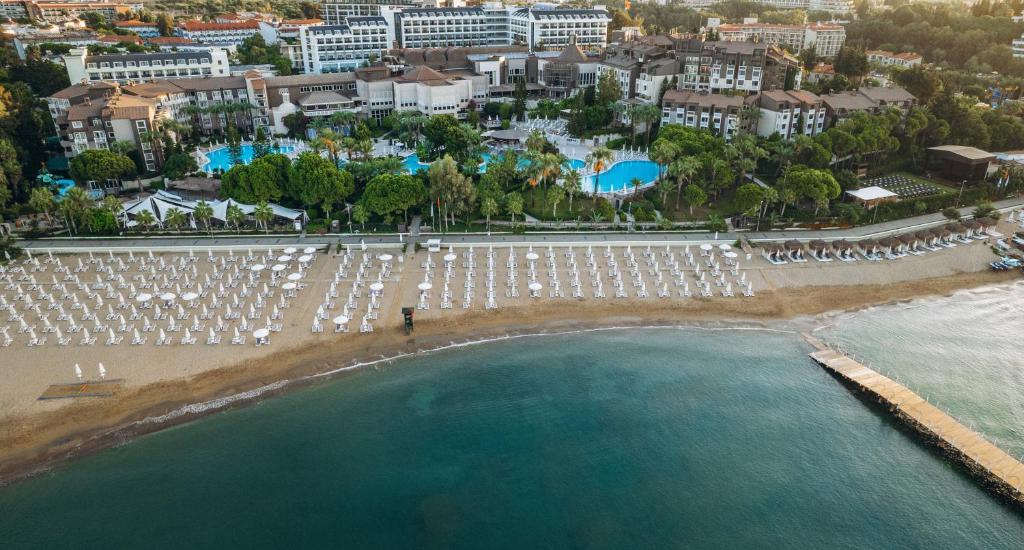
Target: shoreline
{"type": "Point", "coordinates": [38, 442]}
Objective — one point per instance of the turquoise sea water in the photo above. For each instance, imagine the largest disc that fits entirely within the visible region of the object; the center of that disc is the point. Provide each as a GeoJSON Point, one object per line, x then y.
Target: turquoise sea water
{"type": "Point", "coordinates": [962, 352]}
{"type": "Point", "coordinates": [655, 438]}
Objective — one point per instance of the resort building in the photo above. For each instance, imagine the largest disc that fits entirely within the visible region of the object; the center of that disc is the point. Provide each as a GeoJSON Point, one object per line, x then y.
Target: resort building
{"type": "Point", "coordinates": [221, 34]}
{"type": "Point", "coordinates": [1018, 47]}
{"type": "Point", "coordinates": [721, 67]}
{"type": "Point", "coordinates": [834, 6]}
{"type": "Point", "coordinates": [790, 113]}
{"type": "Point", "coordinates": [826, 39]}
{"type": "Point", "coordinates": [551, 28]}
{"type": "Point", "coordinates": [336, 48]}
{"type": "Point", "coordinates": [141, 28]}
{"type": "Point", "coordinates": [96, 115]}
{"type": "Point", "coordinates": [839, 106]}
{"type": "Point", "coordinates": [335, 12]}
{"type": "Point", "coordinates": [140, 67]}
{"type": "Point", "coordinates": [422, 89]}
{"type": "Point", "coordinates": [442, 27]}
{"type": "Point", "coordinates": [883, 57]}
{"type": "Point", "coordinates": [717, 113]}
{"type": "Point", "coordinates": [289, 29]}
{"type": "Point", "coordinates": [567, 73]}
{"type": "Point", "coordinates": [782, 71]}
{"type": "Point", "coordinates": [58, 11]}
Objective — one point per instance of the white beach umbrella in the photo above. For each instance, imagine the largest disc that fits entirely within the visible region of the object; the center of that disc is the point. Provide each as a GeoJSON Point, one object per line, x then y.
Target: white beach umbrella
{"type": "Point", "coordinates": [78, 372]}
{"type": "Point", "coordinates": [103, 371]}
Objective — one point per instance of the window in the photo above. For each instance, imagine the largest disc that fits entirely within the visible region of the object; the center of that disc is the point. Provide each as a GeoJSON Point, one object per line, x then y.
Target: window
{"type": "Point", "coordinates": [76, 124]}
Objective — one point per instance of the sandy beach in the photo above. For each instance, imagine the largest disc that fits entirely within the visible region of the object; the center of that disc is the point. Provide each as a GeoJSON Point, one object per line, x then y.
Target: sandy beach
{"type": "Point", "coordinates": [160, 379]}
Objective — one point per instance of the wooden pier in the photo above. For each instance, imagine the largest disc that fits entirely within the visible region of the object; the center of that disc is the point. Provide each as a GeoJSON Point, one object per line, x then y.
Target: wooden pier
{"type": "Point", "coordinates": [1002, 473]}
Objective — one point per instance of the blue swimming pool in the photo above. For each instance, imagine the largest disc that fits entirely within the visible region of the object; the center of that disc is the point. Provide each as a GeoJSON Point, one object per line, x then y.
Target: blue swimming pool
{"type": "Point", "coordinates": [412, 163]}
{"type": "Point", "coordinates": [619, 176]}
{"type": "Point", "coordinates": [220, 159]}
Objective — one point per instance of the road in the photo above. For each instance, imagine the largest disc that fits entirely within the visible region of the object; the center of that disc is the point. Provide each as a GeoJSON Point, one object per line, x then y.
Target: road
{"type": "Point", "coordinates": [84, 244]}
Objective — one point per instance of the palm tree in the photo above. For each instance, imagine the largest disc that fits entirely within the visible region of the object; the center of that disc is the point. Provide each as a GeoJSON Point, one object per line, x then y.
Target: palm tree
{"type": "Point", "coordinates": [573, 184]}
{"type": "Point", "coordinates": [598, 159]}
{"type": "Point", "coordinates": [41, 200]}
{"type": "Point", "coordinates": [489, 207]}
{"type": "Point", "coordinates": [263, 214]}
{"type": "Point", "coordinates": [665, 187]}
{"type": "Point", "coordinates": [113, 205]}
{"type": "Point", "coordinates": [551, 165]}
{"type": "Point", "coordinates": [636, 183]}
{"type": "Point", "coordinates": [663, 152]}
{"type": "Point", "coordinates": [204, 213]}
{"type": "Point", "coordinates": [648, 114]}
{"type": "Point", "coordinates": [683, 170]}
{"type": "Point", "coordinates": [75, 205]}
{"type": "Point", "coordinates": [234, 216]}
{"type": "Point", "coordinates": [145, 219]}
{"type": "Point", "coordinates": [175, 218]}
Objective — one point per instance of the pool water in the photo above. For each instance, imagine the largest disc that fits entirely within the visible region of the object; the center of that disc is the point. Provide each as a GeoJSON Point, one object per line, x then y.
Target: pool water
{"type": "Point", "coordinates": [412, 163]}
{"type": "Point", "coordinates": [220, 159]}
{"type": "Point", "coordinates": [619, 176]}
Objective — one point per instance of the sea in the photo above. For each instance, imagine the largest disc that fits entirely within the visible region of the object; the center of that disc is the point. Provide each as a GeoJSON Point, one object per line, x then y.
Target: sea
{"type": "Point", "coordinates": [677, 437]}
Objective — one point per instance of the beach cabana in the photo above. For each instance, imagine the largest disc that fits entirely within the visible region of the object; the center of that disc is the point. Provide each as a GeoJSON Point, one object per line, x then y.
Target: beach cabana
{"type": "Point", "coordinates": [843, 249]}
{"type": "Point", "coordinates": [820, 250]}
{"type": "Point", "coordinates": [774, 253]}
{"type": "Point", "coordinates": [869, 249]}
{"type": "Point", "coordinates": [795, 250]}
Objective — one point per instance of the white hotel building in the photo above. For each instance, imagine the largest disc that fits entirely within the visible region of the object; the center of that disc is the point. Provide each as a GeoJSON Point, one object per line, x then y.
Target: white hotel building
{"type": "Point", "coordinates": [826, 39]}
{"type": "Point", "coordinates": [337, 48]}
{"type": "Point", "coordinates": [555, 28]}
{"type": "Point", "coordinates": [145, 67]}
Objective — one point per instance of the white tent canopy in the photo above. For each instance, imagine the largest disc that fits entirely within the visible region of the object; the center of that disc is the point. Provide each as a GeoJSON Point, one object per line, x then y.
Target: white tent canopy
{"type": "Point", "coordinates": [162, 201]}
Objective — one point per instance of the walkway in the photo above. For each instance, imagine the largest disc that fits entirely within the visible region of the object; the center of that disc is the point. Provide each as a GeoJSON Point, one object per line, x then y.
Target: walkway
{"type": "Point", "coordinates": [962, 443]}
{"type": "Point", "coordinates": [256, 241]}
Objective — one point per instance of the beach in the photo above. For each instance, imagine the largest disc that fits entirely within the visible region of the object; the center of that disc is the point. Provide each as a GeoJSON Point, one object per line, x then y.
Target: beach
{"type": "Point", "coordinates": [160, 380]}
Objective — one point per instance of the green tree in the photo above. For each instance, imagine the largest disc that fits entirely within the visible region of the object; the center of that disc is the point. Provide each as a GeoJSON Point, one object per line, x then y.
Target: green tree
{"type": "Point", "coordinates": [360, 214]}
{"type": "Point", "coordinates": [573, 185]}
{"type": "Point", "coordinates": [204, 213]}
{"type": "Point", "coordinates": [145, 220]}
{"type": "Point", "coordinates": [100, 165]}
{"type": "Point", "coordinates": [234, 216]}
{"type": "Point", "coordinates": [748, 198]}
{"type": "Point", "coordinates": [608, 89]}
{"type": "Point", "coordinates": [389, 194]}
{"type": "Point", "coordinates": [695, 196]}
{"type": "Point", "coordinates": [683, 170]}
{"type": "Point", "coordinates": [489, 207]}
{"type": "Point", "coordinates": [519, 101]}
{"type": "Point", "coordinates": [113, 205]}
{"type": "Point", "coordinates": [453, 191]}
{"type": "Point", "coordinates": [315, 180]}
{"type": "Point", "coordinates": [514, 205]}
{"type": "Point", "coordinates": [263, 215]}
{"type": "Point", "coordinates": [555, 195]}
{"type": "Point", "coordinates": [598, 159]}
{"type": "Point", "coordinates": [175, 218]}
{"type": "Point", "coordinates": [41, 200]}
{"type": "Point", "coordinates": [165, 24]}
{"type": "Point", "coordinates": [178, 165]}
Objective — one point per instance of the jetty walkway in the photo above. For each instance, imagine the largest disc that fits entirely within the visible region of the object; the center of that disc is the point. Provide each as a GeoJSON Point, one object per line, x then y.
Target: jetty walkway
{"type": "Point", "coordinates": [1002, 472]}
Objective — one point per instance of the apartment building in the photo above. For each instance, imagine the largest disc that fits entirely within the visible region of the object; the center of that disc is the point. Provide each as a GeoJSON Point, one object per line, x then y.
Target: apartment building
{"type": "Point", "coordinates": [840, 106]}
{"type": "Point", "coordinates": [717, 113]}
{"type": "Point", "coordinates": [289, 29]}
{"type": "Point", "coordinates": [790, 113]}
{"type": "Point", "coordinates": [141, 28]}
{"type": "Point", "coordinates": [566, 73]}
{"type": "Point", "coordinates": [443, 27]}
{"type": "Point", "coordinates": [220, 34]}
{"type": "Point", "coordinates": [721, 67]}
{"type": "Point", "coordinates": [334, 12]}
{"type": "Point", "coordinates": [551, 28]}
{"type": "Point", "coordinates": [337, 48]}
{"type": "Point", "coordinates": [93, 116]}
{"type": "Point", "coordinates": [140, 67]}
{"type": "Point", "coordinates": [826, 39]}
{"type": "Point", "coordinates": [834, 6]}
{"type": "Point", "coordinates": [58, 11]}
{"type": "Point", "coordinates": [905, 60]}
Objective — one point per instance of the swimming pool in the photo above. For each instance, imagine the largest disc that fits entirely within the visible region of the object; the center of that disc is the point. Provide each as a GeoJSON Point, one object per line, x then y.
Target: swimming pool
{"type": "Point", "coordinates": [220, 159]}
{"type": "Point", "coordinates": [619, 176]}
{"type": "Point", "coordinates": [412, 163]}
